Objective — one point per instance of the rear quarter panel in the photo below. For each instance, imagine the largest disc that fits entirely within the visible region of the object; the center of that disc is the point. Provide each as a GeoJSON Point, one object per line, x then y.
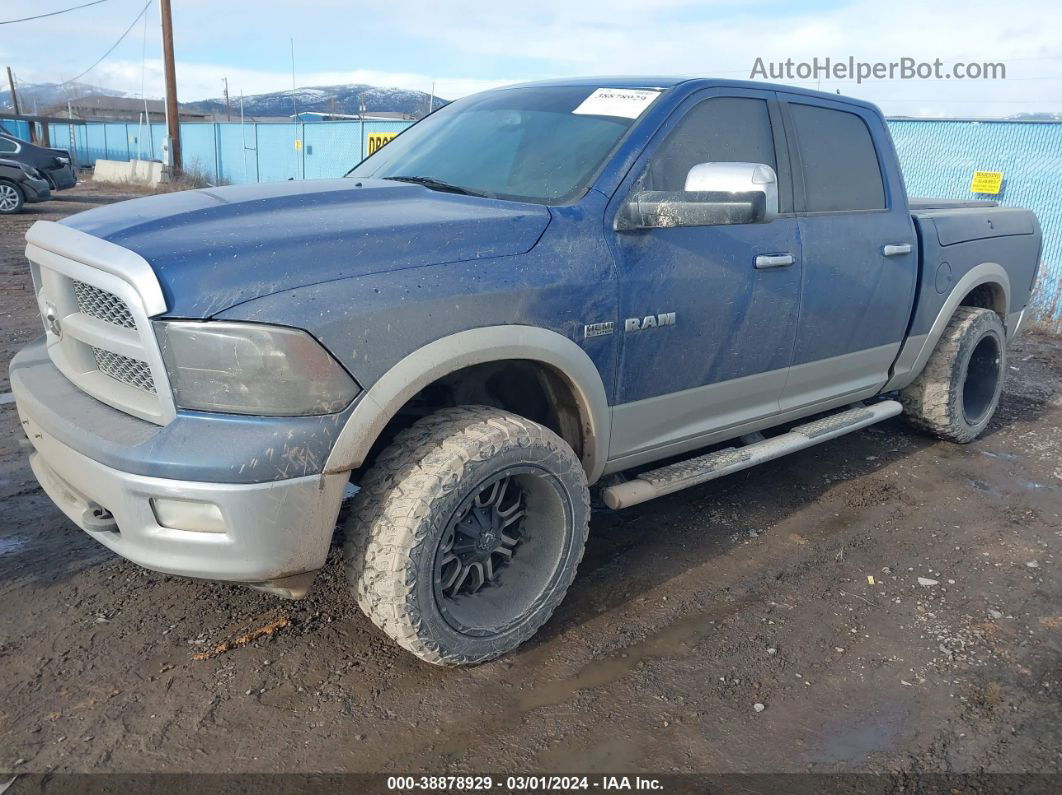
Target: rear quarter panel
{"type": "Point", "coordinates": [945, 263]}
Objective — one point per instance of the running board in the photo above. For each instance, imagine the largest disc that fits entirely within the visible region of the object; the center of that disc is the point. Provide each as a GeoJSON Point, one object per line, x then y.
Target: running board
{"type": "Point", "coordinates": [694, 471]}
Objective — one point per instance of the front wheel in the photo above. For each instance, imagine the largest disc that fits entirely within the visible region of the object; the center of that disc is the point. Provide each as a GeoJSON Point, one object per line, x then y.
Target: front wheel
{"type": "Point", "coordinates": [467, 533]}
{"type": "Point", "coordinates": [957, 393]}
{"type": "Point", "coordinates": [11, 198]}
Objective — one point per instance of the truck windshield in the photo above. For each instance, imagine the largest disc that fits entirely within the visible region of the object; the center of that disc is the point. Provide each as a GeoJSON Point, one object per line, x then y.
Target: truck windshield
{"type": "Point", "coordinates": [520, 143]}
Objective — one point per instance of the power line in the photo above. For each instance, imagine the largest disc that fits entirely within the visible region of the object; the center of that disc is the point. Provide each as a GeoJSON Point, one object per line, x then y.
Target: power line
{"type": "Point", "coordinates": [53, 13]}
{"type": "Point", "coordinates": [113, 46]}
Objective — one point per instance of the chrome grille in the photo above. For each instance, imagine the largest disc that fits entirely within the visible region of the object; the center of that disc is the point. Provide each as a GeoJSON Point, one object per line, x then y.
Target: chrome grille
{"type": "Point", "coordinates": [96, 309]}
{"type": "Point", "coordinates": [133, 372]}
{"type": "Point", "coordinates": [102, 305]}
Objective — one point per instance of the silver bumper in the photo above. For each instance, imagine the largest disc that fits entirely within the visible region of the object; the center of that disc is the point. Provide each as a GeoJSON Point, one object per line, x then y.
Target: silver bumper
{"type": "Point", "coordinates": [271, 531]}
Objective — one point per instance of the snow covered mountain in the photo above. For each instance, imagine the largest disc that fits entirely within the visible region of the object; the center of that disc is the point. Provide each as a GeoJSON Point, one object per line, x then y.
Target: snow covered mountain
{"type": "Point", "coordinates": [349, 99]}
{"type": "Point", "coordinates": [35, 97]}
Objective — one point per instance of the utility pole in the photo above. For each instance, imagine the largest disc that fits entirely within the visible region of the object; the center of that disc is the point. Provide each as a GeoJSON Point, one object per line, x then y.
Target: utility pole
{"type": "Point", "coordinates": [14, 96]}
{"type": "Point", "coordinates": [173, 119]}
{"type": "Point", "coordinates": [228, 108]}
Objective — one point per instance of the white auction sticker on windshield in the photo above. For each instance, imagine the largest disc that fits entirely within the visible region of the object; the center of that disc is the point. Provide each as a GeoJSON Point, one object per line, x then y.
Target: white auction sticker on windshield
{"type": "Point", "coordinates": [627, 103]}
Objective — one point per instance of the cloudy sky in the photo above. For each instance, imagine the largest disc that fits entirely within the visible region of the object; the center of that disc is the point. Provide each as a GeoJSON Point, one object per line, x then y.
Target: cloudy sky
{"type": "Point", "coordinates": [466, 45]}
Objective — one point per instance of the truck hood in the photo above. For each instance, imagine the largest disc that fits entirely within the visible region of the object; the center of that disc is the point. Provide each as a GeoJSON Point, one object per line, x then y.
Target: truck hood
{"type": "Point", "coordinates": [212, 249]}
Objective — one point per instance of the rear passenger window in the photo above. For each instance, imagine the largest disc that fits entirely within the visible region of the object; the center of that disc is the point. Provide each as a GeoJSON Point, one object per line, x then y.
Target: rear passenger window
{"type": "Point", "coordinates": [841, 169]}
{"type": "Point", "coordinates": [7, 146]}
{"type": "Point", "coordinates": [719, 130]}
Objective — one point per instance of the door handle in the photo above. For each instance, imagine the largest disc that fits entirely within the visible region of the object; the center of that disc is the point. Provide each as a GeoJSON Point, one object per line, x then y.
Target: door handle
{"type": "Point", "coordinates": [764, 261]}
{"type": "Point", "coordinates": [896, 249]}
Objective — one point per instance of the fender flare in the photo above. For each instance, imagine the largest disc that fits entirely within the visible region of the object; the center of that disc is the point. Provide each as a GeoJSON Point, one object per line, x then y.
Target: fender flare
{"type": "Point", "coordinates": [464, 349]}
{"type": "Point", "coordinates": [916, 350]}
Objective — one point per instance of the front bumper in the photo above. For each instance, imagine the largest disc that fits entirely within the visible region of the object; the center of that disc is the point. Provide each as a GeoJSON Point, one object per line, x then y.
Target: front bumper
{"type": "Point", "coordinates": [64, 176]}
{"type": "Point", "coordinates": [273, 531]}
{"type": "Point", "coordinates": [37, 190]}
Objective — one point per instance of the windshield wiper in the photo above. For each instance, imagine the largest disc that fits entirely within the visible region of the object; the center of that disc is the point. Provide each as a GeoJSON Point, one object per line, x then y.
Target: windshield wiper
{"type": "Point", "coordinates": [438, 184]}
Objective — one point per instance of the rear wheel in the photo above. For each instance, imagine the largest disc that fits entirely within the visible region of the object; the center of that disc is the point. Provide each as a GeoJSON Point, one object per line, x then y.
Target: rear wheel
{"type": "Point", "coordinates": [11, 198]}
{"type": "Point", "coordinates": [467, 533]}
{"type": "Point", "coordinates": [958, 392]}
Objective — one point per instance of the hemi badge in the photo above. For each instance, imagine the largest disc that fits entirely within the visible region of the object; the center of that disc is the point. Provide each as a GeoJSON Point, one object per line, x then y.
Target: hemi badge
{"type": "Point", "coordinates": [598, 329]}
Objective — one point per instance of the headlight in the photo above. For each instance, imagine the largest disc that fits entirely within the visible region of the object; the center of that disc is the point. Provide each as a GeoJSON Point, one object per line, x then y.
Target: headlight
{"type": "Point", "coordinates": [62, 160]}
{"type": "Point", "coordinates": [248, 368]}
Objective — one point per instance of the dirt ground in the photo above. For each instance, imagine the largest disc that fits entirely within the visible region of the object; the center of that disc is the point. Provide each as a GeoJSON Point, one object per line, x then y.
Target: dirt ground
{"type": "Point", "coordinates": [687, 613]}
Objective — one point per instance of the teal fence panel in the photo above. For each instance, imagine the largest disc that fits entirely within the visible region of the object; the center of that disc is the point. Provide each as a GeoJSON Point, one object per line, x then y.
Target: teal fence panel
{"type": "Point", "coordinates": [237, 153]}
{"type": "Point", "coordinates": [331, 148]}
{"type": "Point", "coordinates": [141, 145]}
{"type": "Point", "coordinates": [279, 157]}
{"type": "Point", "coordinates": [16, 127]}
{"type": "Point", "coordinates": [95, 143]}
{"type": "Point", "coordinates": [938, 159]}
{"type": "Point", "coordinates": [199, 150]}
{"type": "Point", "coordinates": [272, 151]}
{"type": "Point", "coordinates": [116, 141]}
{"type": "Point", "coordinates": [73, 138]}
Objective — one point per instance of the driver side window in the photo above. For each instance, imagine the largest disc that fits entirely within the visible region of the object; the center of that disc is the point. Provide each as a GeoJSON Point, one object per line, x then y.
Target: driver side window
{"type": "Point", "coordinates": [718, 130]}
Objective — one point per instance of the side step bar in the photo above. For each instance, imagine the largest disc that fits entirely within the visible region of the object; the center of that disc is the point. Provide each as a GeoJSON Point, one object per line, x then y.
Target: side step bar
{"type": "Point", "coordinates": [694, 471]}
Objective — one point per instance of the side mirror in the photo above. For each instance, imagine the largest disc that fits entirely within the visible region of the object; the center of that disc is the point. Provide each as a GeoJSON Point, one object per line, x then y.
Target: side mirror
{"type": "Point", "coordinates": [715, 194]}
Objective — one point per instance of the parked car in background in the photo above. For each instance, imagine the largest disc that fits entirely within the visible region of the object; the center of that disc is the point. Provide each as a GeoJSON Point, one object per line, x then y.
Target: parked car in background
{"type": "Point", "coordinates": [55, 165]}
{"type": "Point", "coordinates": [19, 184]}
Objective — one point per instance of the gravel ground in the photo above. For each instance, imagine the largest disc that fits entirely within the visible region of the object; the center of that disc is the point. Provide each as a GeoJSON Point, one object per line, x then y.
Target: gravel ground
{"type": "Point", "coordinates": [730, 627]}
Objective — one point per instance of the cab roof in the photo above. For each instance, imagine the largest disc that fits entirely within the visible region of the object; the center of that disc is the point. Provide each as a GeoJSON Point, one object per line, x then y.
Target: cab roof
{"type": "Point", "coordinates": [688, 83]}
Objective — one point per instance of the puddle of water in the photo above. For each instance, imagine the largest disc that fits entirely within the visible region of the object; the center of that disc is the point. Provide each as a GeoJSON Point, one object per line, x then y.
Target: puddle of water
{"type": "Point", "coordinates": [981, 486]}
{"type": "Point", "coordinates": [1004, 456]}
{"type": "Point", "coordinates": [852, 741]}
{"type": "Point", "coordinates": [11, 544]}
{"type": "Point", "coordinates": [613, 754]}
{"type": "Point", "coordinates": [675, 640]}
{"type": "Point", "coordinates": [1032, 485]}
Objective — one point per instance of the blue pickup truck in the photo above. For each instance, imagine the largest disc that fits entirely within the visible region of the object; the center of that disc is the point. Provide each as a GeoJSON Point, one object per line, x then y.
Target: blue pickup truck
{"type": "Point", "coordinates": [638, 283]}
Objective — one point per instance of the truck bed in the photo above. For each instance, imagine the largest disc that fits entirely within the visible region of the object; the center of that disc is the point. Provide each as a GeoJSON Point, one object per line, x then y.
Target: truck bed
{"type": "Point", "coordinates": [956, 236]}
{"type": "Point", "coordinates": [949, 204]}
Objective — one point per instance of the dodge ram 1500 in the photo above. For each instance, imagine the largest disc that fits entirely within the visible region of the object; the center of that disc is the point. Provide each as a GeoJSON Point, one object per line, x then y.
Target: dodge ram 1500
{"type": "Point", "coordinates": [639, 283]}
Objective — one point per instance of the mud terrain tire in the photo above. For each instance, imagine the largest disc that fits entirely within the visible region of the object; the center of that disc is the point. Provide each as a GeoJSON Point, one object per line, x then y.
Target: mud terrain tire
{"type": "Point", "coordinates": [426, 490]}
{"type": "Point", "coordinates": [957, 393]}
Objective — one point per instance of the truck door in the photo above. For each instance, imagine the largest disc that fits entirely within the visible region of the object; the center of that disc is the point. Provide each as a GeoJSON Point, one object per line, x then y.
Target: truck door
{"type": "Point", "coordinates": [860, 252]}
{"type": "Point", "coordinates": [707, 331]}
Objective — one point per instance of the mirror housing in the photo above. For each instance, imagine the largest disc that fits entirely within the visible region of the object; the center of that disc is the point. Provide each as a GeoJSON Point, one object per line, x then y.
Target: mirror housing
{"type": "Point", "coordinates": [664, 209]}
{"type": "Point", "coordinates": [715, 194]}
